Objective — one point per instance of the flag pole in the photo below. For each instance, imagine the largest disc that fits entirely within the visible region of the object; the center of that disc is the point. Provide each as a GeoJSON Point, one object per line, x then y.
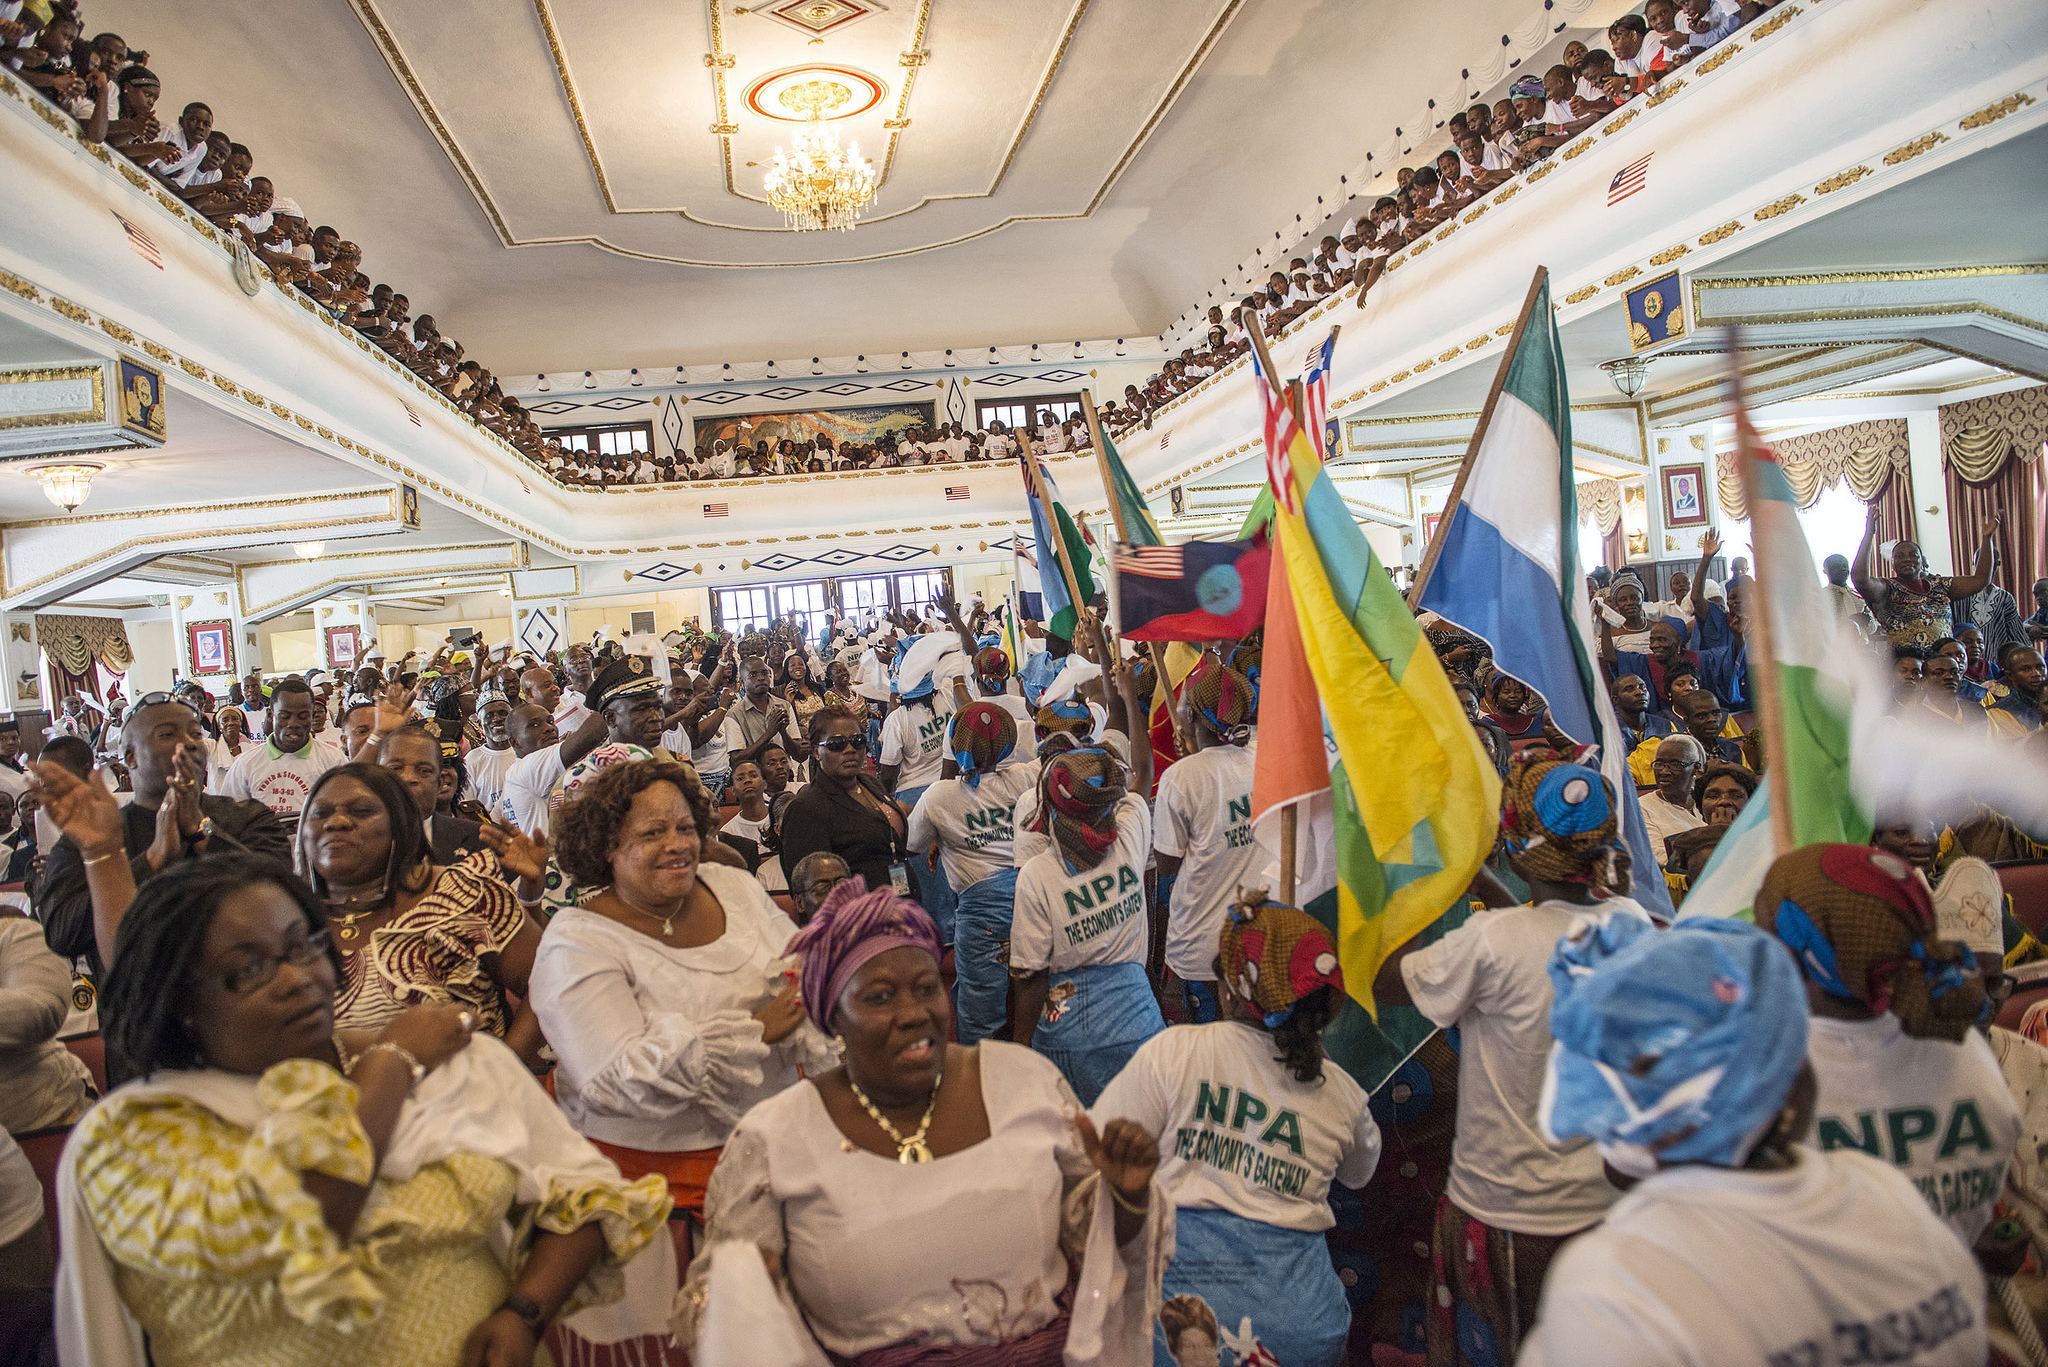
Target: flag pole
{"type": "Point", "coordinates": [1123, 534]}
{"type": "Point", "coordinates": [1059, 542]}
{"type": "Point", "coordinates": [1500, 379]}
{"type": "Point", "coordinates": [1756, 623]}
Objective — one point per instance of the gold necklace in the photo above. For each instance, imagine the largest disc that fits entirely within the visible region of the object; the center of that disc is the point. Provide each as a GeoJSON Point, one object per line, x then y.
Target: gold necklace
{"type": "Point", "coordinates": [668, 922]}
{"type": "Point", "coordinates": [911, 1150]}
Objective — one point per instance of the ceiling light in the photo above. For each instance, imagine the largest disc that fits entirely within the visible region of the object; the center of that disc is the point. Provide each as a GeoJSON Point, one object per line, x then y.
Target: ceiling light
{"type": "Point", "coordinates": [67, 485]}
{"type": "Point", "coordinates": [308, 550]}
{"type": "Point", "coordinates": [816, 185]}
{"type": "Point", "coordinates": [589, 380]}
{"type": "Point", "coordinates": [636, 376]}
{"type": "Point", "coordinates": [1629, 374]}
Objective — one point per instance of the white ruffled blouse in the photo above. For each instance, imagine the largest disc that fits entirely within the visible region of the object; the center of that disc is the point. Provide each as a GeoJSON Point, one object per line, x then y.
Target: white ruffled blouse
{"type": "Point", "coordinates": [658, 1048]}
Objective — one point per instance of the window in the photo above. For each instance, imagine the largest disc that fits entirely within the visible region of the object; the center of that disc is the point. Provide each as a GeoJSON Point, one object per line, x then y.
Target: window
{"type": "Point", "coordinates": [633, 438]}
{"type": "Point", "coordinates": [742, 610]}
{"type": "Point", "coordinates": [643, 623]}
{"type": "Point", "coordinates": [807, 601]}
{"type": "Point", "coordinates": [1014, 413]}
{"type": "Point", "coordinates": [915, 592]}
{"type": "Point", "coordinates": [861, 599]}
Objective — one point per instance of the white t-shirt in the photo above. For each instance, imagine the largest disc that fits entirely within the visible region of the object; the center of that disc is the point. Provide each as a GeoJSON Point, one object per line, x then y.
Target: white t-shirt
{"type": "Point", "coordinates": [974, 828]}
{"type": "Point", "coordinates": [1204, 812]}
{"type": "Point", "coordinates": [745, 829]}
{"type": "Point", "coordinates": [1094, 916]}
{"type": "Point", "coordinates": [914, 738]}
{"type": "Point", "coordinates": [1830, 1263]}
{"type": "Point", "coordinates": [487, 769]}
{"type": "Point", "coordinates": [1490, 977]}
{"type": "Point", "coordinates": [527, 785]}
{"type": "Point", "coordinates": [1237, 1132]}
{"type": "Point", "coordinates": [278, 780]}
{"type": "Point", "coordinates": [1938, 1112]}
{"type": "Point", "coordinates": [710, 759]}
{"type": "Point", "coordinates": [1663, 820]}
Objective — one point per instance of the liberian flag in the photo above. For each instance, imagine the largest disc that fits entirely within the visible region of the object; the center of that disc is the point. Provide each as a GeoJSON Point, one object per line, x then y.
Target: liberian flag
{"type": "Point", "coordinates": [1281, 430]}
{"type": "Point", "coordinates": [1629, 179]}
{"type": "Point", "coordinates": [1315, 393]}
{"type": "Point", "coordinates": [144, 245]}
{"type": "Point", "coordinates": [956, 492]}
{"type": "Point", "coordinates": [716, 510]}
{"type": "Point", "coordinates": [1194, 591]}
{"type": "Point", "coordinates": [1508, 567]}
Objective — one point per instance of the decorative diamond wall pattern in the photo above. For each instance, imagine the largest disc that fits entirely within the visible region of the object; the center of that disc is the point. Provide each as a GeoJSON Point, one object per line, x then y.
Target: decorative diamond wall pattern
{"type": "Point", "coordinates": [538, 633]}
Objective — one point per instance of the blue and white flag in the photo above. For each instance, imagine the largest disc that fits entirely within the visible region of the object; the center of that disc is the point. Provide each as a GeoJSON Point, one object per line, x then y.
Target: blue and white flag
{"type": "Point", "coordinates": [1508, 571]}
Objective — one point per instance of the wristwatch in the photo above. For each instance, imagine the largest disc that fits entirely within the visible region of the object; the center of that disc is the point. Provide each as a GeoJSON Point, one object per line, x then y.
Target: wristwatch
{"type": "Point", "coordinates": [528, 1310]}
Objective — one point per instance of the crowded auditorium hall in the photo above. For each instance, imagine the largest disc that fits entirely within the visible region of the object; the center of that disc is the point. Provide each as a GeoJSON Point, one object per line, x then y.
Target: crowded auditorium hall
{"type": "Point", "coordinates": [961, 683]}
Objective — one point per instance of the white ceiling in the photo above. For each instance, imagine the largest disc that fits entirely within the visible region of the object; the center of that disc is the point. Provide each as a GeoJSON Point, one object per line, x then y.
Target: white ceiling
{"type": "Point", "coordinates": [1165, 134]}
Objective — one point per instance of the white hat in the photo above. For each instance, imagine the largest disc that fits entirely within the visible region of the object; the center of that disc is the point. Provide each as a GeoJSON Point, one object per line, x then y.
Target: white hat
{"type": "Point", "coordinates": [286, 208]}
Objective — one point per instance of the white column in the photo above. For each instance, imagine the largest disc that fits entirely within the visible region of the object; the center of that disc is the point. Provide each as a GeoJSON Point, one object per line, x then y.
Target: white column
{"type": "Point", "coordinates": [1930, 490]}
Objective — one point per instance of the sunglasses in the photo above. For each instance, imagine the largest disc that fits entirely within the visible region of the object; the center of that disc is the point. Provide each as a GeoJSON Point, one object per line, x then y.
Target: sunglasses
{"type": "Point", "coordinates": [153, 699]}
{"type": "Point", "coordinates": [840, 744]}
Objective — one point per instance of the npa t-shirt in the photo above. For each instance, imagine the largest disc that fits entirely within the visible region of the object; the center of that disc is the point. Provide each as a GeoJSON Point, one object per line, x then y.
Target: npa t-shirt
{"type": "Point", "coordinates": [1237, 1132]}
{"type": "Point", "coordinates": [1068, 920]}
{"type": "Point", "coordinates": [974, 828]}
{"type": "Point", "coordinates": [1938, 1112]}
{"type": "Point", "coordinates": [914, 739]}
{"type": "Point", "coordinates": [1828, 1264]}
{"type": "Point", "coordinates": [1491, 978]}
{"type": "Point", "coordinates": [1204, 814]}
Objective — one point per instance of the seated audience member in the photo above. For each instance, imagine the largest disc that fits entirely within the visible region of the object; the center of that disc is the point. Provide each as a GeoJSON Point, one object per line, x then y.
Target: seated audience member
{"type": "Point", "coordinates": [168, 820]}
{"type": "Point", "coordinates": [1508, 706]}
{"type": "Point", "coordinates": [1912, 606]}
{"type": "Point", "coordinates": [1682, 1056]}
{"type": "Point", "coordinates": [811, 880]}
{"type": "Point", "coordinates": [1513, 1200]}
{"type": "Point", "coordinates": [285, 767]}
{"type": "Point", "coordinates": [410, 930]}
{"type": "Point", "coordinates": [367, 1213]}
{"type": "Point", "coordinates": [1026, 1175]}
{"type": "Point", "coordinates": [1909, 666]}
{"type": "Point", "coordinates": [1892, 1008]}
{"type": "Point", "coordinates": [413, 754]}
{"type": "Point", "coordinates": [1498, 748]}
{"type": "Point", "coordinates": [1669, 807]}
{"type": "Point", "coordinates": [661, 995]}
{"type": "Point", "coordinates": [749, 825]}
{"type": "Point", "coordinates": [1631, 695]}
{"type": "Point", "coordinates": [1245, 1251]}
{"type": "Point", "coordinates": [845, 810]}
{"type": "Point", "coordinates": [42, 1083]}
{"type": "Point", "coordinates": [2025, 701]}
{"type": "Point", "coordinates": [1706, 721]}
{"type": "Point", "coordinates": [1965, 648]}
{"type": "Point", "coordinates": [1719, 795]}
{"type": "Point", "coordinates": [1667, 648]}
{"type": "Point", "coordinates": [1941, 690]}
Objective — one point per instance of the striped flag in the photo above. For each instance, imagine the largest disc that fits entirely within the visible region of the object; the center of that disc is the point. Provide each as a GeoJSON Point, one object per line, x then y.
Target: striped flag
{"type": "Point", "coordinates": [1315, 393]}
{"type": "Point", "coordinates": [716, 510]}
{"type": "Point", "coordinates": [412, 415]}
{"type": "Point", "coordinates": [1281, 432]}
{"type": "Point", "coordinates": [1415, 801]}
{"type": "Point", "coordinates": [1628, 179]}
{"type": "Point", "coordinates": [1050, 519]}
{"type": "Point", "coordinates": [144, 245]}
{"type": "Point", "coordinates": [956, 492]}
{"type": "Point", "coordinates": [1154, 562]}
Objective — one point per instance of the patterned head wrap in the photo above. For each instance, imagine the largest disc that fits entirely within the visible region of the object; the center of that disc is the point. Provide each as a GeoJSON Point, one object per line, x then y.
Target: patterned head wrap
{"type": "Point", "coordinates": [1248, 656]}
{"type": "Point", "coordinates": [1559, 820]}
{"type": "Point", "coordinates": [1078, 796]}
{"type": "Point", "coordinates": [1527, 88]}
{"type": "Point", "coordinates": [851, 926]}
{"type": "Point", "coordinates": [1674, 1046]}
{"type": "Point", "coordinates": [1861, 923]}
{"type": "Point", "coordinates": [991, 666]}
{"type": "Point", "coordinates": [1223, 698]}
{"type": "Point", "coordinates": [1070, 715]}
{"type": "Point", "coordinates": [1274, 955]}
{"type": "Point", "coordinates": [982, 736]}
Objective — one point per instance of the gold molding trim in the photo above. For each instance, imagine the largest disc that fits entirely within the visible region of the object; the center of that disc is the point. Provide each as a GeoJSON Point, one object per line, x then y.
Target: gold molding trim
{"type": "Point", "coordinates": [1777, 207]}
{"type": "Point", "coordinates": [1580, 296]}
{"type": "Point", "coordinates": [1621, 277]}
{"type": "Point", "coordinates": [1720, 234]}
{"type": "Point", "coordinates": [1842, 181]}
{"type": "Point", "coordinates": [1720, 59]}
{"type": "Point", "coordinates": [1992, 113]}
{"type": "Point", "coordinates": [1666, 89]}
{"type": "Point", "coordinates": [1837, 369]}
{"type": "Point", "coordinates": [1907, 151]}
{"type": "Point", "coordinates": [1776, 22]}
{"type": "Point", "coordinates": [1670, 254]}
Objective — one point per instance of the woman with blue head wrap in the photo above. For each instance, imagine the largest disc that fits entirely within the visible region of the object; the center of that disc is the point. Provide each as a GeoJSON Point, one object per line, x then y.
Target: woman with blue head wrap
{"type": "Point", "coordinates": [914, 737]}
{"type": "Point", "coordinates": [967, 824]}
{"type": "Point", "coordinates": [1682, 1055]}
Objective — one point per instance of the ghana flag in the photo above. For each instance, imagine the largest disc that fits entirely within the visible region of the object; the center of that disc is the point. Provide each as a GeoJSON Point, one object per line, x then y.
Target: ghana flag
{"type": "Point", "coordinates": [1193, 591]}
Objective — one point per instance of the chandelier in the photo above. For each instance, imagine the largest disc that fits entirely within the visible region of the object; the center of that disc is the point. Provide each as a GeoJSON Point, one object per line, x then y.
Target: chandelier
{"type": "Point", "coordinates": [67, 484]}
{"type": "Point", "coordinates": [817, 185]}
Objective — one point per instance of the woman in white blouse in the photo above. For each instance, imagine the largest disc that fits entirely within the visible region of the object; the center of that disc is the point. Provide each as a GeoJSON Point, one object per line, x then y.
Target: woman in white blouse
{"type": "Point", "coordinates": [916, 1201]}
{"type": "Point", "coordinates": [222, 752]}
{"type": "Point", "coordinates": [665, 996]}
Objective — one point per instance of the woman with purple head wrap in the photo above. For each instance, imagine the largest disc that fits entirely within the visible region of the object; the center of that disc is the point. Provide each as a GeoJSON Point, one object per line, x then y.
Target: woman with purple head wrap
{"type": "Point", "coordinates": [893, 1256]}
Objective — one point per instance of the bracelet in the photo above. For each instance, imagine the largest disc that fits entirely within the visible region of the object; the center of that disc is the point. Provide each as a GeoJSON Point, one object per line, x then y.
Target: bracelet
{"type": "Point", "coordinates": [1135, 1208]}
{"type": "Point", "coordinates": [529, 1312]}
{"type": "Point", "coordinates": [103, 858]}
{"type": "Point", "coordinates": [418, 1069]}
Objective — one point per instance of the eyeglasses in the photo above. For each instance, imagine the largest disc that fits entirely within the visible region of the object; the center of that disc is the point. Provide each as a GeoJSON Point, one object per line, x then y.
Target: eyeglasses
{"type": "Point", "coordinates": [258, 972]}
{"type": "Point", "coordinates": [819, 887]}
{"type": "Point", "coordinates": [839, 744]}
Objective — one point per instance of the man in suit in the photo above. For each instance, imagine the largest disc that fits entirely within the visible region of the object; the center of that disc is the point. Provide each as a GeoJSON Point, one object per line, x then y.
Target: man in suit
{"type": "Point", "coordinates": [165, 751]}
{"type": "Point", "coordinates": [414, 755]}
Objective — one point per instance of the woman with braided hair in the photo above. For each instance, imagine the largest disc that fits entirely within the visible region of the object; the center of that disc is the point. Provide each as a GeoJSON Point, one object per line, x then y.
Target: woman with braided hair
{"type": "Point", "coordinates": [1203, 811]}
{"type": "Point", "coordinates": [1255, 1126]}
{"type": "Point", "coordinates": [1513, 1198]}
{"type": "Point", "coordinates": [1079, 993]}
{"type": "Point", "coordinates": [968, 822]}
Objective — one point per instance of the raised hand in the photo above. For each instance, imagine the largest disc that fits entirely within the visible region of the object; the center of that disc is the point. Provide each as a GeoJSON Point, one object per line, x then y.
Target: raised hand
{"type": "Point", "coordinates": [1125, 1153]}
{"type": "Point", "coordinates": [82, 807]}
{"type": "Point", "coordinates": [524, 856]}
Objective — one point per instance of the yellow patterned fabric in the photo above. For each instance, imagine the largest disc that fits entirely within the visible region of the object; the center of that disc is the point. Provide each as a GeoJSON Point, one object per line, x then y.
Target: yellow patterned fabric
{"type": "Point", "coordinates": [224, 1259]}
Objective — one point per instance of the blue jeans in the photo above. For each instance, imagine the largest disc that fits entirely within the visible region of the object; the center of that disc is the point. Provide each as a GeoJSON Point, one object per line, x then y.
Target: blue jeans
{"type": "Point", "coordinates": [981, 970]}
{"type": "Point", "coordinates": [1095, 1018]}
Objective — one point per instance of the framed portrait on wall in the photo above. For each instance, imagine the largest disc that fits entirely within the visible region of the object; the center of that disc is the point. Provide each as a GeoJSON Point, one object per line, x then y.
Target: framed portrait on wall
{"type": "Point", "coordinates": [343, 645]}
{"type": "Point", "coordinates": [1430, 522]}
{"type": "Point", "coordinates": [212, 648]}
{"type": "Point", "coordinates": [1685, 495]}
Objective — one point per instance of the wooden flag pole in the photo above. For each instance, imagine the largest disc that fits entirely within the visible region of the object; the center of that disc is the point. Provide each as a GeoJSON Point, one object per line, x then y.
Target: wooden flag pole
{"type": "Point", "coordinates": [1123, 534]}
{"type": "Point", "coordinates": [1059, 541]}
{"type": "Point", "coordinates": [1500, 379]}
{"type": "Point", "coordinates": [1756, 623]}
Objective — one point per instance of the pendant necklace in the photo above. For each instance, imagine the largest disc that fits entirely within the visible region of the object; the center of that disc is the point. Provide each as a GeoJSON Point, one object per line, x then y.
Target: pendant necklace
{"type": "Point", "coordinates": [668, 922]}
{"type": "Point", "coordinates": [910, 1150]}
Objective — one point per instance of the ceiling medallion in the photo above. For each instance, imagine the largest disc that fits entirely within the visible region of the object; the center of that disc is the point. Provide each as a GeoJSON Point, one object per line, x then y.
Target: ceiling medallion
{"type": "Point", "coordinates": [815, 90]}
{"type": "Point", "coordinates": [815, 16]}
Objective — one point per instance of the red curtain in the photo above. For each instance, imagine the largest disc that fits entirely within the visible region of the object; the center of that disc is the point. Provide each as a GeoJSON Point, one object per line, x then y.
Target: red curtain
{"type": "Point", "coordinates": [63, 683]}
{"type": "Point", "coordinates": [2020, 491]}
{"type": "Point", "coordinates": [1895, 512]}
{"type": "Point", "coordinates": [1614, 548]}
